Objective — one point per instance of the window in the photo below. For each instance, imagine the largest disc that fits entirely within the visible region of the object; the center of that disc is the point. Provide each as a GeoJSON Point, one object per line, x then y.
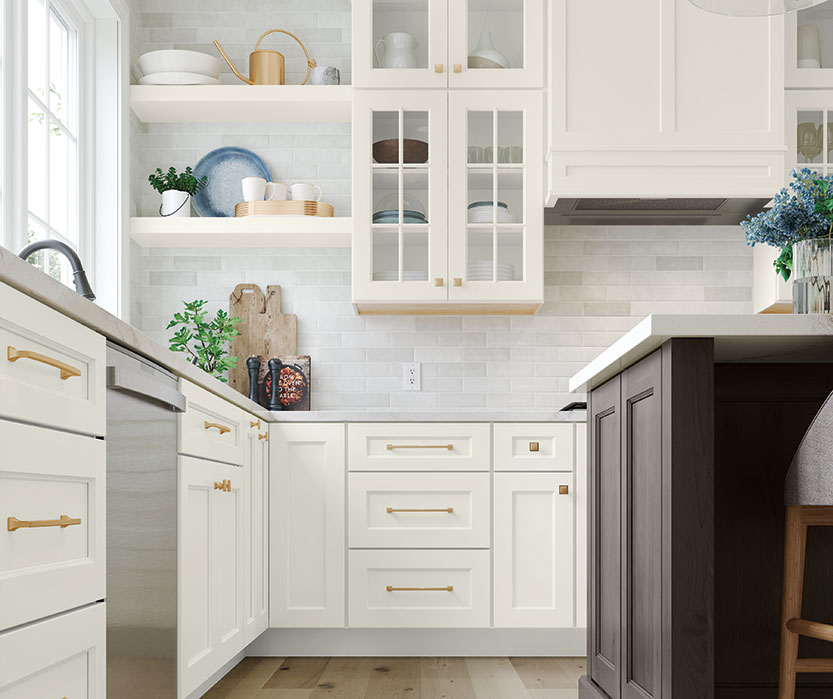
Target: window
{"type": "Point", "coordinates": [54, 181]}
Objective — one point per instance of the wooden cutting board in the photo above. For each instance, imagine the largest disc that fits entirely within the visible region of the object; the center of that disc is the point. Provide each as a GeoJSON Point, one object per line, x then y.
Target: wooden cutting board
{"type": "Point", "coordinates": [264, 330]}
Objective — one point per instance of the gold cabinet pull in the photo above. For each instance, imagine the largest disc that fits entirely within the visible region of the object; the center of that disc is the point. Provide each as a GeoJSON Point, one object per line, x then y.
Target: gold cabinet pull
{"type": "Point", "coordinates": [563, 490]}
{"type": "Point", "coordinates": [391, 447]}
{"type": "Point", "coordinates": [14, 523]}
{"type": "Point", "coordinates": [256, 423]}
{"type": "Point", "coordinates": [458, 281]}
{"type": "Point", "coordinates": [216, 425]}
{"type": "Point", "coordinates": [533, 446]}
{"type": "Point", "coordinates": [458, 67]}
{"type": "Point", "coordinates": [448, 588]}
{"type": "Point", "coordinates": [391, 510]}
{"type": "Point", "coordinates": [438, 281]}
{"type": "Point", "coordinates": [67, 371]}
{"type": "Point", "coordinates": [264, 436]}
{"type": "Point", "coordinates": [438, 67]}
{"type": "Point", "coordinates": [223, 485]}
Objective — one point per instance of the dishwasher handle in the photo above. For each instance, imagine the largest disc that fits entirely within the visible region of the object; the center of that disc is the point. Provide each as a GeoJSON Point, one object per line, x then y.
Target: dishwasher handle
{"type": "Point", "coordinates": [138, 384]}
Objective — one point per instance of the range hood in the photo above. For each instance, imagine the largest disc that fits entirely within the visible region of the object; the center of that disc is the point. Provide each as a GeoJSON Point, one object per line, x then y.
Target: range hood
{"type": "Point", "coordinates": [714, 211]}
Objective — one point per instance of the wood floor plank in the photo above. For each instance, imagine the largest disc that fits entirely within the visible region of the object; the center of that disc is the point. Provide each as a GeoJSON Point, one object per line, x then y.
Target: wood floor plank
{"type": "Point", "coordinates": [394, 678]}
{"type": "Point", "coordinates": [344, 678]}
{"type": "Point", "coordinates": [445, 678]}
{"type": "Point", "coordinates": [553, 693]}
{"type": "Point", "coordinates": [495, 678]}
{"type": "Point", "coordinates": [283, 694]}
{"type": "Point", "coordinates": [256, 678]}
{"type": "Point", "coordinates": [297, 673]}
{"type": "Point", "coordinates": [231, 679]}
{"type": "Point", "coordinates": [547, 673]}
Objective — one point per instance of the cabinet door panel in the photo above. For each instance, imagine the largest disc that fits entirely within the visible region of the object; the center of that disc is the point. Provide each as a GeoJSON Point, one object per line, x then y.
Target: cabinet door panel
{"type": "Point", "coordinates": [307, 537]}
{"type": "Point", "coordinates": [256, 551]}
{"type": "Point", "coordinates": [227, 574]}
{"type": "Point", "coordinates": [604, 590]}
{"type": "Point", "coordinates": [642, 504]}
{"type": "Point", "coordinates": [533, 549]}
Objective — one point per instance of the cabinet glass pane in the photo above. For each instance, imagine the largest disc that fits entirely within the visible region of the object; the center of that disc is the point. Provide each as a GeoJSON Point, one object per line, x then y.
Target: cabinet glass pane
{"type": "Point", "coordinates": [415, 203]}
{"type": "Point", "coordinates": [480, 254]}
{"type": "Point", "coordinates": [510, 253]}
{"type": "Point", "coordinates": [415, 254]}
{"type": "Point", "coordinates": [510, 197]}
{"type": "Point", "coordinates": [415, 137]}
{"type": "Point", "coordinates": [814, 38]}
{"type": "Point", "coordinates": [510, 137]}
{"type": "Point", "coordinates": [385, 254]}
{"type": "Point", "coordinates": [386, 200]}
{"type": "Point", "coordinates": [400, 34]}
{"type": "Point", "coordinates": [810, 137]}
{"type": "Point", "coordinates": [495, 34]}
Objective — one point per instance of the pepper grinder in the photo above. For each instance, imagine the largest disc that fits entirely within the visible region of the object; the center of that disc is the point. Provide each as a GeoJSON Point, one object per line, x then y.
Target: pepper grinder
{"type": "Point", "coordinates": [253, 365]}
{"type": "Point", "coordinates": [275, 373]}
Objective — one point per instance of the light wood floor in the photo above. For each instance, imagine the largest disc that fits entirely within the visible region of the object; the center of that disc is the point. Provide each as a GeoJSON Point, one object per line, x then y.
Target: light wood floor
{"type": "Point", "coordinates": [401, 678]}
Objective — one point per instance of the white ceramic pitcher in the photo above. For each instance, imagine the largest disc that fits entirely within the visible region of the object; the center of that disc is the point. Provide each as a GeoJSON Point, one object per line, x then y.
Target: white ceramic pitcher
{"type": "Point", "coordinates": [399, 51]}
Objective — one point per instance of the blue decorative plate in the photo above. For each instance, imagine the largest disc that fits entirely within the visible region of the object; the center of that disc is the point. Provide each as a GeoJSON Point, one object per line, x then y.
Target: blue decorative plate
{"type": "Point", "coordinates": [225, 168]}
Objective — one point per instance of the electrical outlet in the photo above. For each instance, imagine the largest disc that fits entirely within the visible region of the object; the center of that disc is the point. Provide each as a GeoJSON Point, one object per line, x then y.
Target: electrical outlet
{"type": "Point", "coordinates": [413, 377]}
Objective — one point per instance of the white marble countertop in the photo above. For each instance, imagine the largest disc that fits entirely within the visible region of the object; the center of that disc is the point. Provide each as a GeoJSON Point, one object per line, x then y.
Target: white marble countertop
{"type": "Point", "coordinates": [737, 338]}
{"type": "Point", "coordinates": [24, 277]}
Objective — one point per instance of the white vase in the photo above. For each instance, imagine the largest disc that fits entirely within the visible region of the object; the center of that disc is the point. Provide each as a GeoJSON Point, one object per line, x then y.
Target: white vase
{"type": "Point", "coordinates": [809, 46]}
{"type": "Point", "coordinates": [486, 55]}
{"type": "Point", "coordinates": [399, 51]}
{"type": "Point", "coordinates": [175, 203]}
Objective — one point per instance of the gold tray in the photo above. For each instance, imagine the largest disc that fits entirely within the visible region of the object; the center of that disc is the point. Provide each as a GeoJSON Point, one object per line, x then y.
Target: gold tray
{"type": "Point", "coordinates": [283, 208]}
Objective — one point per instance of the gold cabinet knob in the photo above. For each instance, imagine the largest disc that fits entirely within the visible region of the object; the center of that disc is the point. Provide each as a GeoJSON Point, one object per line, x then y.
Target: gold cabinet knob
{"type": "Point", "coordinates": [458, 281]}
{"type": "Point", "coordinates": [255, 423]}
{"type": "Point", "coordinates": [439, 281]}
{"type": "Point", "coordinates": [458, 67]}
{"type": "Point", "coordinates": [563, 490]}
{"type": "Point", "coordinates": [438, 67]}
{"type": "Point", "coordinates": [264, 436]}
{"type": "Point", "coordinates": [533, 446]}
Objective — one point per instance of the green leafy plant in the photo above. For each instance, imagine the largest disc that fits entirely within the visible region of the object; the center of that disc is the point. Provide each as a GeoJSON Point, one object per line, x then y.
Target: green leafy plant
{"type": "Point", "coordinates": [182, 182]}
{"type": "Point", "coordinates": [205, 340]}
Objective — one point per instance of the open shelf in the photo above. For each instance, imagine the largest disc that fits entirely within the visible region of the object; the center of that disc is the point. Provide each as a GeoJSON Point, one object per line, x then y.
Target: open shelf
{"type": "Point", "coordinates": [243, 232]}
{"type": "Point", "coordinates": [242, 103]}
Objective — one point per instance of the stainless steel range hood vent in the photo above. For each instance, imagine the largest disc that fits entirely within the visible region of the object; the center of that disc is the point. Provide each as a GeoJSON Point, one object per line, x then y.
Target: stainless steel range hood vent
{"type": "Point", "coordinates": [714, 211]}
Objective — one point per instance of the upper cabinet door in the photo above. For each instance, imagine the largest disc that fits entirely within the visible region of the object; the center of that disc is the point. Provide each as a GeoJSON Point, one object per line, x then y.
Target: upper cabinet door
{"type": "Point", "coordinates": [495, 156]}
{"type": "Point", "coordinates": [809, 52]}
{"type": "Point", "coordinates": [400, 181]}
{"type": "Point", "coordinates": [496, 43]}
{"type": "Point", "coordinates": [400, 43]}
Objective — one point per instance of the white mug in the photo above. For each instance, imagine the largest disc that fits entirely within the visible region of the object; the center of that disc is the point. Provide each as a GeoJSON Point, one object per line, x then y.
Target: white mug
{"type": "Point", "coordinates": [258, 189]}
{"type": "Point", "coordinates": [304, 191]}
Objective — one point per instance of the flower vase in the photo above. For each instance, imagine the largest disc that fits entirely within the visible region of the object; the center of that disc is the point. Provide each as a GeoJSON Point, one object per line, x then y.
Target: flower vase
{"type": "Point", "coordinates": [813, 275]}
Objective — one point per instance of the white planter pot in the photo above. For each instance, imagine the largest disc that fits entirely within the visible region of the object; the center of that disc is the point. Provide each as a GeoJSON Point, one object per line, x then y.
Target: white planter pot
{"type": "Point", "coordinates": [175, 203]}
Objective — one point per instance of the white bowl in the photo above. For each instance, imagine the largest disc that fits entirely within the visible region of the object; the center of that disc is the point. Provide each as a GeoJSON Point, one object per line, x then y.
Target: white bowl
{"type": "Point", "coordinates": [179, 61]}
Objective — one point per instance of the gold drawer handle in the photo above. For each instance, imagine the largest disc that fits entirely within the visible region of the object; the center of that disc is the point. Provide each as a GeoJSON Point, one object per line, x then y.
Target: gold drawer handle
{"type": "Point", "coordinates": [223, 485]}
{"type": "Point", "coordinates": [264, 436]}
{"type": "Point", "coordinates": [67, 371]}
{"type": "Point", "coordinates": [255, 424]}
{"type": "Point", "coordinates": [223, 429]}
{"type": "Point", "coordinates": [449, 510]}
{"type": "Point", "coordinates": [449, 588]}
{"type": "Point", "coordinates": [391, 447]}
{"type": "Point", "coordinates": [14, 523]}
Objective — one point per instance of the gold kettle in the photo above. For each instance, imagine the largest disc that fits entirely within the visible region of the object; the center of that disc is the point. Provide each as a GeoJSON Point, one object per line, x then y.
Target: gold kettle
{"type": "Point", "coordinates": [266, 67]}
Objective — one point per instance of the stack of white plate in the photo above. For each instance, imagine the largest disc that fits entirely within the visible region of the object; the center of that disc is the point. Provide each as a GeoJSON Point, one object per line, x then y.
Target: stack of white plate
{"type": "Point", "coordinates": [482, 272]}
{"type": "Point", "coordinates": [483, 212]}
{"type": "Point", "coordinates": [179, 67]}
{"type": "Point", "coordinates": [394, 276]}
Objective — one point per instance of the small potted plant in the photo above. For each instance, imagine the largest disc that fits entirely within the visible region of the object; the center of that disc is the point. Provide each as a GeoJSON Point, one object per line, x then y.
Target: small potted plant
{"type": "Point", "coordinates": [205, 341]}
{"type": "Point", "coordinates": [176, 190]}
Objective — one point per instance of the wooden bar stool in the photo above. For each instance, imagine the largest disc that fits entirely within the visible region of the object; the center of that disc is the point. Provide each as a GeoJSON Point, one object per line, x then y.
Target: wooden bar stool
{"type": "Point", "coordinates": [809, 499]}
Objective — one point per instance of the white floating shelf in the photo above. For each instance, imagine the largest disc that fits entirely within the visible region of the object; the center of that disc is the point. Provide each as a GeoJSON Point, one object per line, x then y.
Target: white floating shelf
{"type": "Point", "coordinates": [242, 103]}
{"type": "Point", "coordinates": [243, 232]}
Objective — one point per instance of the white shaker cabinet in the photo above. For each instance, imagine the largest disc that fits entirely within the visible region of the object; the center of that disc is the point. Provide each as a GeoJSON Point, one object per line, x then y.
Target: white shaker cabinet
{"type": "Point", "coordinates": [211, 536]}
{"type": "Point", "coordinates": [307, 536]}
{"type": "Point", "coordinates": [658, 98]}
{"type": "Point", "coordinates": [256, 525]}
{"type": "Point", "coordinates": [435, 38]}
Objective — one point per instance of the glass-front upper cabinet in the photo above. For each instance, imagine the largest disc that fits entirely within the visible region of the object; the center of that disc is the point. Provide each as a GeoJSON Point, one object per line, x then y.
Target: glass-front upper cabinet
{"type": "Point", "coordinates": [496, 196]}
{"type": "Point", "coordinates": [809, 47]}
{"type": "Point", "coordinates": [809, 126]}
{"type": "Point", "coordinates": [400, 181]}
{"type": "Point", "coordinates": [456, 43]}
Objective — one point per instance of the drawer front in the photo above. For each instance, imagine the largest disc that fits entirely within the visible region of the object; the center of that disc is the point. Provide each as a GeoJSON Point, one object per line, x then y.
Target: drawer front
{"type": "Point", "coordinates": [210, 427]}
{"type": "Point", "coordinates": [52, 522]}
{"type": "Point", "coordinates": [419, 589]}
{"type": "Point", "coordinates": [61, 657]}
{"type": "Point", "coordinates": [52, 369]}
{"type": "Point", "coordinates": [419, 510]}
{"type": "Point", "coordinates": [391, 446]}
{"type": "Point", "coordinates": [544, 446]}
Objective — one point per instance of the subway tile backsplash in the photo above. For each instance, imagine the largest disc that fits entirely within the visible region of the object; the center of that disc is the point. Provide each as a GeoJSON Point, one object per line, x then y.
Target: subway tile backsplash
{"type": "Point", "coordinates": [601, 280]}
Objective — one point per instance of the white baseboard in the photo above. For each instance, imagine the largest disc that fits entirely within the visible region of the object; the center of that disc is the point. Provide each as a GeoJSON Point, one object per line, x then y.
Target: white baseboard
{"type": "Point", "coordinates": [420, 642]}
{"type": "Point", "coordinates": [217, 676]}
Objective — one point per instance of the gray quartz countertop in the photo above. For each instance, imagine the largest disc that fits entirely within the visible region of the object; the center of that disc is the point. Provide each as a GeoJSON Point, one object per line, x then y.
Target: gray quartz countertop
{"type": "Point", "coordinates": [24, 277]}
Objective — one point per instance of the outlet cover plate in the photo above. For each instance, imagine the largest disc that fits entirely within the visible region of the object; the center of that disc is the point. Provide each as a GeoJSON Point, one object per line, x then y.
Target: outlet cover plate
{"type": "Point", "coordinates": [412, 377]}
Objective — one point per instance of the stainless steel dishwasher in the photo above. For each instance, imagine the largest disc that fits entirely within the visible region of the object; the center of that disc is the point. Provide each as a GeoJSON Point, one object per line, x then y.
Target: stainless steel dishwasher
{"type": "Point", "coordinates": [142, 402]}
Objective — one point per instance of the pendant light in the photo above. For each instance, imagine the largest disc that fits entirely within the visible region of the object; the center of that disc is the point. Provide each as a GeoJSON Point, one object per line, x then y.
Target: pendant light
{"type": "Point", "coordinates": [755, 8]}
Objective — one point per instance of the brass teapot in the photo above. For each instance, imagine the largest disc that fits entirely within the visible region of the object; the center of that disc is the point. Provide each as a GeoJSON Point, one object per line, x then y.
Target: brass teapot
{"type": "Point", "coordinates": [266, 67]}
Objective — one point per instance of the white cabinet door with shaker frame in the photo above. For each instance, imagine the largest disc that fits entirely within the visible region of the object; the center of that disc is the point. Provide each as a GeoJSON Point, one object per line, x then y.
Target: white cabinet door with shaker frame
{"type": "Point", "coordinates": [306, 525]}
{"type": "Point", "coordinates": [400, 182]}
{"type": "Point", "coordinates": [256, 523]}
{"type": "Point", "coordinates": [533, 550]}
{"type": "Point", "coordinates": [495, 145]}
